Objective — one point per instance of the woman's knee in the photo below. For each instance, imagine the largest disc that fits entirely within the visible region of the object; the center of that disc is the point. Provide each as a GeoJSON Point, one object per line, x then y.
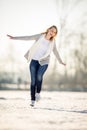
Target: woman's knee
{"type": "Point", "coordinates": [33, 82]}
{"type": "Point", "coordinates": [39, 78]}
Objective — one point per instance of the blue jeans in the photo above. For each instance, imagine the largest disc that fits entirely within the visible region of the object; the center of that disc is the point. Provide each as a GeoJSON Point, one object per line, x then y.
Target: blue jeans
{"type": "Point", "coordinates": [36, 71]}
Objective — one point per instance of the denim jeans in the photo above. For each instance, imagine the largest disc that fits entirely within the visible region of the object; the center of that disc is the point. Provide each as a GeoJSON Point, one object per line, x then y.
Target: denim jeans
{"type": "Point", "coordinates": [36, 71]}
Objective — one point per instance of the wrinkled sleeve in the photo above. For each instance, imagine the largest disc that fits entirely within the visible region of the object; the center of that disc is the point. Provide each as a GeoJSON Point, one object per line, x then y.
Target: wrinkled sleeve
{"type": "Point", "coordinates": [56, 53]}
{"type": "Point", "coordinates": [32, 37]}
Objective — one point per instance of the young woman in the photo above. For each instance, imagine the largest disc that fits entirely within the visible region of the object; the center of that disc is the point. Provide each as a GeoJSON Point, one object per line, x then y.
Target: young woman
{"type": "Point", "coordinates": [39, 57]}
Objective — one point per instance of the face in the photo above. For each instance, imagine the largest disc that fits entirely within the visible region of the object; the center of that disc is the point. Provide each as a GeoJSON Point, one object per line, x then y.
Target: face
{"type": "Point", "coordinates": [52, 32]}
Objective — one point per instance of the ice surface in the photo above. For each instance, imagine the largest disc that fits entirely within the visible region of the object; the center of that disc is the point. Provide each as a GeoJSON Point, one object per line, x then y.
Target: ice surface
{"type": "Point", "coordinates": [55, 111]}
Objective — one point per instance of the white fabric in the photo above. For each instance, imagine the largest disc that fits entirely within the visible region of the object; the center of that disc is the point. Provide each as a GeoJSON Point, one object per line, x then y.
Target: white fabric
{"type": "Point", "coordinates": [42, 50]}
{"type": "Point", "coordinates": [45, 58]}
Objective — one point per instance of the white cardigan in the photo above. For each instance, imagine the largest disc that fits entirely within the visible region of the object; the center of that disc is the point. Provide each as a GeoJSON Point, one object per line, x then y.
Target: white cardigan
{"type": "Point", "coordinates": [45, 59]}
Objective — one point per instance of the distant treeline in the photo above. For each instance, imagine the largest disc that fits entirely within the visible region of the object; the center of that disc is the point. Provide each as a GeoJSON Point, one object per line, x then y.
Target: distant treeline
{"type": "Point", "coordinates": [56, 82]}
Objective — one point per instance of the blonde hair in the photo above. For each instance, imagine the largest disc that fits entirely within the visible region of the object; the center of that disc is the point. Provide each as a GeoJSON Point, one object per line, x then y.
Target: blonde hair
{"type": "Point", "coordinates": [48, 30]}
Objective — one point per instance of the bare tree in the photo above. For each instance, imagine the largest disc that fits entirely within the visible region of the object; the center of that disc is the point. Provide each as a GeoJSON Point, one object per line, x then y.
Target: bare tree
{"type": "Point", "coordinates": [73, 40]}
{"type": "Point", "coordinates": [65, 8]}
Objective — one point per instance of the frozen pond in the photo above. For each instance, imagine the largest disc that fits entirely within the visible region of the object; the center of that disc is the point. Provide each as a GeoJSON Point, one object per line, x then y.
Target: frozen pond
{"type": "Point", "coordinates": [55, 111]}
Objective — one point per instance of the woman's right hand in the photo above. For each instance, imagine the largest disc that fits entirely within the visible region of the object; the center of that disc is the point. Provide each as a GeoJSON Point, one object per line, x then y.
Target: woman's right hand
{"type": "Point", "coordinates": [11, 37]}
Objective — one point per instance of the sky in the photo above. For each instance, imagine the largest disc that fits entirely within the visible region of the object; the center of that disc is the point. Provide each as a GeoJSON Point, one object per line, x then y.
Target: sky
{"type": "Point", "coordinates": [23, 17]}
{"type": "Point", "coordinates": [27, 17]}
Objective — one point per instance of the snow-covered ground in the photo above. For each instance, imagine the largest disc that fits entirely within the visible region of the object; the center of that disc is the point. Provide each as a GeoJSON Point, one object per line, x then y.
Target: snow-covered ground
{"type": "Point", "coordinates": [55, 111]}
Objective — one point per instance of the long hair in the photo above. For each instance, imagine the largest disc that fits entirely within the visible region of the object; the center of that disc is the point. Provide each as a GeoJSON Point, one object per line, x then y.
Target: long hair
{"type": "Point", "coordinates": [48, 30]}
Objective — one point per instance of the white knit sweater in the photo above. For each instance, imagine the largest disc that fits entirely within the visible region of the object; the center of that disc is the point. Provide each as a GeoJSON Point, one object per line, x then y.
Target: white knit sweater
{"type": "Point", "coordinates": [30, 53]}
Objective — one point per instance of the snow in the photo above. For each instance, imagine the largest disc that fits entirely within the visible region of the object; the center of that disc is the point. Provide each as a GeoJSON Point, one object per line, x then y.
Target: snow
{"type": "Point", "coordinates": [55, 111]}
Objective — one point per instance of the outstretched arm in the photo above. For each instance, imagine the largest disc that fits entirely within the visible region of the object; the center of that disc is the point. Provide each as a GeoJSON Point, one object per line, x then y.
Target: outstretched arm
{"type": "Point", "coordinates": [55, 51]}
{"type": "Point", "coordinates": [33, 37]}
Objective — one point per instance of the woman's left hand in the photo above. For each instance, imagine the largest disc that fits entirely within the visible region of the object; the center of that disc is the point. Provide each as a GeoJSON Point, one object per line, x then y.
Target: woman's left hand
{"type": "Point", "coordinates": [63, 64]}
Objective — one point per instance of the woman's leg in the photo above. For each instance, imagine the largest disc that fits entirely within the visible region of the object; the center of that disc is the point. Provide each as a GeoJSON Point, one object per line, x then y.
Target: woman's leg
{"type": "Point", "coordinates": [33, 73]}
{"type": "Point", "coordinates": [40, 73]}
